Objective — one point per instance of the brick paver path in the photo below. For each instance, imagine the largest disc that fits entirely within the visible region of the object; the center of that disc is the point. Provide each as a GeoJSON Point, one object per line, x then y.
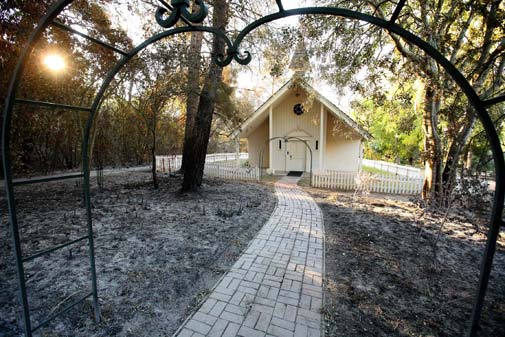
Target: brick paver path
{"type": "Point", "coordinates": [275, 288]}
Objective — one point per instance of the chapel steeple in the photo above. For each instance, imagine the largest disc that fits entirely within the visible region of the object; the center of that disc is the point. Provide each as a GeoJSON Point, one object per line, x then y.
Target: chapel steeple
{"type": "Point", "coordinates": [300, 63]}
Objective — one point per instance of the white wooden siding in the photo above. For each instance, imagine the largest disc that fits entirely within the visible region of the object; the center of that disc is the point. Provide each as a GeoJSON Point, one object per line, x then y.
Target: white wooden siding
{"type": "Point", "coordinates": [286, 123]}
{"type": "Point", "coordinates": [343, 148]}
{"type": "Point", "coordinates": [257, 141]}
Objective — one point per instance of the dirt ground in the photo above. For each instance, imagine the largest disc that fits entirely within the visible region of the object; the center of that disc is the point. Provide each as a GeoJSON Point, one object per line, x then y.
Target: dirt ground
{"type": "Point", "coordinates": [385, 278]}
{"type": "Point", "coordinates": [158, 252]}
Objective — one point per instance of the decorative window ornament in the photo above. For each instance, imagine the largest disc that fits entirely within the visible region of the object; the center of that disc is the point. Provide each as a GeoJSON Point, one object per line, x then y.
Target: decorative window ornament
{"type": "Point", "coordinates": [298, 109]}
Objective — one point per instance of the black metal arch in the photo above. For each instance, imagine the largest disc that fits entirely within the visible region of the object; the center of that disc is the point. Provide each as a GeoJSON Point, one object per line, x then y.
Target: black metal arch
{"type": "Point", "coordinates": [180, 12]}
{"type": "Point", "coordinates": [286, 139]}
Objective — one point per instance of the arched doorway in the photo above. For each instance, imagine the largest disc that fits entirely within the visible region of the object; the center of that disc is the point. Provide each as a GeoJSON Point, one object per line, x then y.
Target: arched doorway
{"type": "Point", "coordinates": [287, 140]}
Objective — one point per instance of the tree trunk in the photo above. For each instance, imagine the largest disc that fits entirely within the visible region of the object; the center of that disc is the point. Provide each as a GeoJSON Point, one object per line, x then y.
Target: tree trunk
{"type": "Point", "coordinates": [193, 89]}
{"type": "Point", "coordinates": [432, 186]}
{"type": "Point", "coordinates": [455, 151]}
{"type": "Point", "coordinates": [153, 168]}
{"type": "Point", "coordinates": [199, 138]}
{"type": "Point", "coordinates": [237, 151]}
{"type": "Point", "coordinates": [153, 154]}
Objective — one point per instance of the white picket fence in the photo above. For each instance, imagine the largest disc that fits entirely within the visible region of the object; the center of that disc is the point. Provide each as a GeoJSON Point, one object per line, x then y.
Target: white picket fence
{"type": "Point", "coordinates": [168, 164]}
{"type": "Point", "coordinates": [222, 165]}
{"type": "Point", "coordinates": [233, 173]}
{"type": "Point", "coordinates": [172, 163]}
{"type": "Point", "coordinates": [229, 158]}
{"type": "Point", "coordinates": [396, 169]}
{"type": "Point", "coordinates": [352, 181]}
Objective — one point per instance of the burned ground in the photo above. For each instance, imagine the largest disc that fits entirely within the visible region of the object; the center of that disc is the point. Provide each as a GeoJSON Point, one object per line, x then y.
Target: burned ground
{"type": "Point", "coordinates": [158, 252]}
{"type": "Point", "coordinates": [385, 276]}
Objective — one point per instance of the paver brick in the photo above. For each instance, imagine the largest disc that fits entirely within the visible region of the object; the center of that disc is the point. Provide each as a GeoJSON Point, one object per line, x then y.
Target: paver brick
{"type": "Point", "coordinates": [207, 305]}
{"type": "Point", "coordinates": [218, 328]}
{"type": "Point", "coordinates": [313, 293]}
{"type": "Point", "coordinates": [247, 290]}
{"type": "Point", "coordinates": [219, 296]}
{"type": "Point", "coordinates": [248, 332]}
{"type": "Point", "coordinates": [305, 301]}
{"type": "Point", "coordinates": [232, 317]}
{"type": "Point", "coordinates": [235, 309]}
{"type": "Point", "coordinates": [263, 322]}
{"type": "Point", "coordinates": [231, 330]}
{"type": "Point", "coordinates": [314, 332]}
{"type": "Point", "coordinates": [251, 318]}
{"type": "Point", "coordinates": [271, 283]}
{"type": "Point", "coordinates": [198, 326]}
{"type": "Point", "coordinates": [185, 333]}
{"type": "Point", "coordinates": [237, 297]}
{"type": "Point", "coordinates": [280, 309]}
{"type": "Point", "coordinates": [263, 308]}
{"type": "Point", "coordinates": [302, 331]}
{"type": "Point", "coordinates": [217, 309]}
{"type": "Point", "coordinates": [248, 284]}
{"type": "Point", "coordinates": [207, 319]}
{"type": "Point", "coordinates": [290, 294]}
{"type": "Point", "coordinates": [223, 290]}
{"type": "Point", "coordinates": [309, 314]}
{"type": "Point", "coordinates": [290, 313]}
{"type": "Point", "coordinates": [275, 287]}
{"type": "Point", "coordinates": [283, 323]}
{"type": "Point", "coordinates": [264, 301]}
{"type": "Point", "coordinates": [278, 331]}
{"type": "Point", "coordinates": [316, 304]}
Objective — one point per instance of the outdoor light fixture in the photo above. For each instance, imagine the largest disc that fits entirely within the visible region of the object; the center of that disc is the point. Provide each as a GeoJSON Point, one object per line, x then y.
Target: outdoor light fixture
{"type": "Point", "coordinates": [54, 62]}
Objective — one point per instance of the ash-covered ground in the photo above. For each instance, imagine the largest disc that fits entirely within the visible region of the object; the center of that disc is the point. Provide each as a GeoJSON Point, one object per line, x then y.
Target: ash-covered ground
{"type": "Point", "coordinates": [158, 252]}
{"type": "Point", "coordinates": [396, 269]}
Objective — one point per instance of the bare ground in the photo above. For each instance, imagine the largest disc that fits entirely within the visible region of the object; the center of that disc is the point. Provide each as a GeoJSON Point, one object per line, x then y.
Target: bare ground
{"type": "Point", "coordinates": [389, 272]}
{"type": "Point", "coordinates": [158, 252]}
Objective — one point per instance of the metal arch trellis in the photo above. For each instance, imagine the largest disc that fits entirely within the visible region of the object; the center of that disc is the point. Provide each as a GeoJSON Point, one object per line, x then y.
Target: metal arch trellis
{"type": "Point", "coordinates": [179, 11]}
{"type": "Point", "coordinates": [285, 139]}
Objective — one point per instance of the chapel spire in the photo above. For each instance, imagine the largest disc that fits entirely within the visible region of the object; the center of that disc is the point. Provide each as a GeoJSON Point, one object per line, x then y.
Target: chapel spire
{"type": "Point", "coordinates": [300, 63]}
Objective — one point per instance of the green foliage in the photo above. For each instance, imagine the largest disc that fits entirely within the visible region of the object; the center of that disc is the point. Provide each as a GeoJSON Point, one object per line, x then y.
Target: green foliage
{"type": "Point", "coordinates": [375, 170]}
{"type": "Point", "coordinates": [229, 114]}
{"type": "Point", "coordinates": [393, 123]}
{"type": "Point", "coordinates": [137, 106]}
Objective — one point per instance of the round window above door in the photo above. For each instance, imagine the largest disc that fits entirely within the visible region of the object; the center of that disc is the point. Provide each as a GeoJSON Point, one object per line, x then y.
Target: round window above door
{"type": "Point", "coordinates": [298, 109]}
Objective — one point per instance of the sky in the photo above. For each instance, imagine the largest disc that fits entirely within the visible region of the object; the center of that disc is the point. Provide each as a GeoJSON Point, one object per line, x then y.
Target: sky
{"type": "Point", "coordinates": [249, 78]}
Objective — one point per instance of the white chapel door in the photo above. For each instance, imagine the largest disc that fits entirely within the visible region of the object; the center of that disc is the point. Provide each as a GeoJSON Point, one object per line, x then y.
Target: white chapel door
{"type": "Point", "coordinates": [295, 156]}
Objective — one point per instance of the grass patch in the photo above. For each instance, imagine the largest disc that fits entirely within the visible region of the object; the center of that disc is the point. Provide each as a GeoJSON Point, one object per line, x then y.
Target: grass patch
{"type": "Point", "coordinates": [375, 170]}
{"type": "Point", "coordinates": [304, 182]}
{"type": "Point", "coordinates": [270, 178]}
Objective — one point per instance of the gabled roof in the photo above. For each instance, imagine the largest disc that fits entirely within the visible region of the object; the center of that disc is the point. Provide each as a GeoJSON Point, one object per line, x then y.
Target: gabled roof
{"type": "Point", "coordinates": [262, 112]}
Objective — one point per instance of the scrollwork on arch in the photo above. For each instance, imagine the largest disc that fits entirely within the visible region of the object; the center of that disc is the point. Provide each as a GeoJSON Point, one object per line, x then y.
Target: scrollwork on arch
{"type": "Point", "coordinates": [233, 54]}
{"type": "Point", "coordinates": [181, 9]}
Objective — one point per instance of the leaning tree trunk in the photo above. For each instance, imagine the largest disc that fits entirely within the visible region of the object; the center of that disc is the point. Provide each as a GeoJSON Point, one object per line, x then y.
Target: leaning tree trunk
{"type": "Point", "coordinates": [432, 186]}
{"type": "Point", "coordinates": [193, 89]}
{"type": "Point", "coordinates": [455, 152]}
{"type": "Point", "coordinates": [199, 138]}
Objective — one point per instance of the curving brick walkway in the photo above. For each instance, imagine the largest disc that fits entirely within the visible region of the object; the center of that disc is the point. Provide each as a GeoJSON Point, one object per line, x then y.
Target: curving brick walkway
{"type": "Point", "coordinates": [275, 288]}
